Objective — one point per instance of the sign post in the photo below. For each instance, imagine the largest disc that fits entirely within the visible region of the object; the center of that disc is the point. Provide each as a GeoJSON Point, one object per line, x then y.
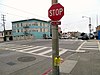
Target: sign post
{"type": "Point", "coordinates": [55, 13]}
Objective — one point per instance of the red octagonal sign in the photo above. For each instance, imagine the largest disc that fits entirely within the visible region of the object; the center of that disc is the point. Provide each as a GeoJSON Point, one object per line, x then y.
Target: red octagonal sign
{"type": "Point", "coordinates": [56, 12]}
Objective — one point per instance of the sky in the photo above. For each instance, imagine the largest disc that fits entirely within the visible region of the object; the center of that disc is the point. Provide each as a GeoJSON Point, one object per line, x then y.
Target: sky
{"type": "Point", "coordinates": [72, 20]}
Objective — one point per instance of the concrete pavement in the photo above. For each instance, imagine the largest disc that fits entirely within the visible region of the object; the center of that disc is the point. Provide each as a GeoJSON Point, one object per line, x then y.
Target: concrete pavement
{"type": "Point", "coordinates": [86, 63]}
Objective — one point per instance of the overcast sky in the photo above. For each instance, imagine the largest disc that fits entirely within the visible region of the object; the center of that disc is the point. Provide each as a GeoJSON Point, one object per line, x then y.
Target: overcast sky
{"type": "Point", "coordinates": [72, 20]}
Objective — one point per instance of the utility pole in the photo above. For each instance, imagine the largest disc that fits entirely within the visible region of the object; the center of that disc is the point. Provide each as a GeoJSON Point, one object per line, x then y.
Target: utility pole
{"type": "Point", "coordinates": [97, 19]}
{"type": "Point", "coordinates": [90, 26]}
{"type": "Point", "coordinates": [55, 46]}
{"type": "Point", "coordinates": [3, 19]}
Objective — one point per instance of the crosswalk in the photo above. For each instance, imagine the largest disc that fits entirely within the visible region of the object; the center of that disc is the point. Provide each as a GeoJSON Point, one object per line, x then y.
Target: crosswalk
{"type": "Point", "coordinates": [90, 46]}
{"type": "Point", "coordinates": [47, 51]}
{"type": "Point", "coordinates": [32, 49]}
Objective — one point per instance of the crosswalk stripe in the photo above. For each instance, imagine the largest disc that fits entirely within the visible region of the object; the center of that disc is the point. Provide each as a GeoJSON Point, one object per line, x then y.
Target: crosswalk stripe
{"type": "Point", "coordinates": [45, 52]}
{"type": "Point", "coordinates": [20, 48]}
{"type": "Point", "coordinates": [63, 51]}
{"type": "Point", "coordinates": [37, 50]}
{"type": "Point", "coordinates": [30, 48]}
{"type": "Point", "coordinates": [90, 48]}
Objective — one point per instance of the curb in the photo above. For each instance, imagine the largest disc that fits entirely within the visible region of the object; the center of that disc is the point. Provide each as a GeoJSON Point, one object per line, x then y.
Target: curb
{"type": "Point", "coordinates": [98, 45]}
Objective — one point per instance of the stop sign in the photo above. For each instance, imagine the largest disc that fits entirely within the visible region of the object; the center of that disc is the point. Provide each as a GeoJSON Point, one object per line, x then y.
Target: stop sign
{"type": "Point", "coordinates": [56, 12]}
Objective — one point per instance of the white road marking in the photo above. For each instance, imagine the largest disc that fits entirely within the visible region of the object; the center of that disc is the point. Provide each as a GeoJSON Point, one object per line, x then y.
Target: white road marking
{"type": "Point", "coordinates": [45, 52]}
{"type": "Point", "coordinates": [62, 51]}
{"type": "Point", "coordinates": [30, 48]}
{"type": "Point", "coordinates": [37, 50]}
{"type": "Point", "coordinates": [77, 51]}
{"type": "Point", "coordinates": [80, 46]}
{"type": "Point", "coordinates": [90, 48]}
{"type": "Point", "coordinates": [18, 47]}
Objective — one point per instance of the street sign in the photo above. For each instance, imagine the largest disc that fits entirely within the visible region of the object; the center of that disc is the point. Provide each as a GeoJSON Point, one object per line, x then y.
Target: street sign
{"type": "Point", "coordinates": [55, 22]}
{"type": "Point", "coordinates": [56, 12]}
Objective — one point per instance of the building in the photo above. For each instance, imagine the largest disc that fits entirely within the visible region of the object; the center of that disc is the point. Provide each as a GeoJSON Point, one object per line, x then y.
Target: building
{"type": "Point", "coordinates": [1, 36]}
{"type": "Point", "coordinates": [71, 34]}
{"type": "Point", "coordinates": [8, 35]}
{"type": "Point", "coordinates": [30, 29]}
{"type": "Point", "coordinates": [97, 28]}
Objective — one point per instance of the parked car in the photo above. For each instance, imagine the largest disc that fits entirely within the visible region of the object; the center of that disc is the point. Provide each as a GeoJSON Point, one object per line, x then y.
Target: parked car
{"type": "Point", "coordinates": [83, 36]}
{"type": "Point", "coordinates": [64, 37]}
{"type": "Point", "coordinates": [91, 36]}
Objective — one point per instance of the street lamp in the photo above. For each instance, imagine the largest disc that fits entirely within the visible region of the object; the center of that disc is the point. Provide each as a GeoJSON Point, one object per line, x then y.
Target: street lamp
{"type": "Point", "coordinates": [89, 24]}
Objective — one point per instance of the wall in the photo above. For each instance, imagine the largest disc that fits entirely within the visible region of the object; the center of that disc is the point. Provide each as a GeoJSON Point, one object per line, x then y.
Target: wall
{"type": "Point", "coordinates": [30, 29]}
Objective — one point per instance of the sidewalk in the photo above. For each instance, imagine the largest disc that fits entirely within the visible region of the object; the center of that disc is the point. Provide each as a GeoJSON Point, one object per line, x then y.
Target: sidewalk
{"type": "Point", "coordinates": [87, 63]}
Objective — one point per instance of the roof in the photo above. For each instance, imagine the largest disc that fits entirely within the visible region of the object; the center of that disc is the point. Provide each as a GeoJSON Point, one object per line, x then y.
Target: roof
{"type": "Point", "coordinates": [29, 20]}
{"type": "Point", "coordinates": [8, 30]}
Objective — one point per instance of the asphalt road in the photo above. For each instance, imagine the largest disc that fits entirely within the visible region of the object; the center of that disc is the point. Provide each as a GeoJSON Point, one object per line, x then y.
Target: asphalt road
{"type": "Point", "coordinates": [63, 43]}
{"type": "Point", "coordinates": [27, 66]}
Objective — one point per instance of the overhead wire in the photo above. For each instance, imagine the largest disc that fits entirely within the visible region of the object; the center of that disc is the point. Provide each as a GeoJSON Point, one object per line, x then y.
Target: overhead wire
{"type": "Point", "coordinates": [21, 10]}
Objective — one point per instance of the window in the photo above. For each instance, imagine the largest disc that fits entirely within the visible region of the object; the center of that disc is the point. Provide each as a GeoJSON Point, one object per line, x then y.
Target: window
{"type": "Point", "coordinates": [40, 29]}
{"type": "Point", "coordinates": [6, 33]}
{"type": "Point", "coordinates": [29, 24]}
{"type": "Point", "coordinates": [47, 25]}
{"type": "Point", "coordinates": [46, 30]}
{"type": "Point", "coordinates": [10, 33]}
{"type": "Point", "coordinates": [21, 24]}
{"type": "Point", "coordinates": [2, 34]}
{"type": "Point", "coordinates": [35, 24]}
{"type": "Point", "coordinates": [26, 25]}
{"type": "Point", "coordinates": [18, 30]}
{"type": "Point", "coordinates": [17, 25]}
{"type": "Point", "coordinates": [43, 24]}
{"type": "Point", "coordinates": [21, 30]}
{"type": "Point", "coordinates": [40, 24]}
{"type": "Point", "coordinates": [43, 29]}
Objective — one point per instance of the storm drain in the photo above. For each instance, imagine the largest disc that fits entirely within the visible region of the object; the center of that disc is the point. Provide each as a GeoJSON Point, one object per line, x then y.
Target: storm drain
{"type": "Point", "coordinates": [11, 63]}
{"type": "Point", "coordinates": [26, 59]}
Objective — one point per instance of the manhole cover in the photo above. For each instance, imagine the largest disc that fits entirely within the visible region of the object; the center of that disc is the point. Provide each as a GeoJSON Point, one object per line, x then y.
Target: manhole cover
{"type": "Point", "coordinates": [26, 59]}
{"type": "Point", "coordinates": [11, 63]}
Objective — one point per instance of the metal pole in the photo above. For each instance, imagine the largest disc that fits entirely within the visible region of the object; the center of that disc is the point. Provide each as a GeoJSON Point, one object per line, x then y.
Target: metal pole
{"type": "Point", "coordinates": [89, 26]}
{"type": "Point", "coordinates": [55, 46]}
{"type": "Point", "coordinates": [97, 19]}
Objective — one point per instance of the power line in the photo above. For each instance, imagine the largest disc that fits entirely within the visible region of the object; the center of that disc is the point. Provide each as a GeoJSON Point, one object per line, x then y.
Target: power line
{"type": "Point", "coordinates": [21, 10]}
{"type": "Point", "coordinates": [14, 14]}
